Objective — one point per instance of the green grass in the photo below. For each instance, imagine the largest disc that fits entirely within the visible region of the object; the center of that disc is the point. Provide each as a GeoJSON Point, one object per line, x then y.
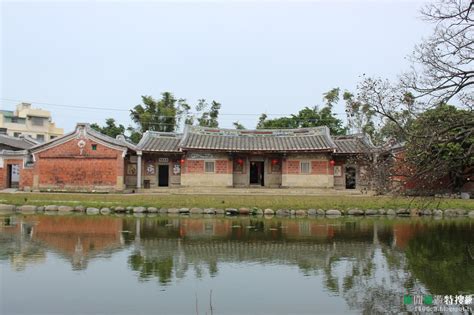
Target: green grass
{"type": "Point", "coordinates": [225, 201]}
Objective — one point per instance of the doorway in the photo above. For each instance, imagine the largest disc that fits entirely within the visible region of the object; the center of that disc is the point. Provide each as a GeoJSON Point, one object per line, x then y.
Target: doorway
{"type": "Point", "coordinates": [257, 173]}
{"type": "Point", "coordinates": [350, 177]}
{"type": "Point", "coordinates": [163, 175]}
{"type": "Point", "coordinates": [13, 176]}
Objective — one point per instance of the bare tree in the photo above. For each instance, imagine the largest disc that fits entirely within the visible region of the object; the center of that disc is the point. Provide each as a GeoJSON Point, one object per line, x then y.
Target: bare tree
{"type": "Point", "coordinates": [442, 63]}
{"type": "Point", "coordinates": [438, 139]}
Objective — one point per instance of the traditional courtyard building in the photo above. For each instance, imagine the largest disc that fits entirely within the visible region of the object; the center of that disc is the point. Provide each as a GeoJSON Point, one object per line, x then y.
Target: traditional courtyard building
{"type": "Point", "coordinates": [203, 156]}
{"type": "Point", "coordinates": [87, 160]}
{"type": "Point", "coordinates": [269, 158]}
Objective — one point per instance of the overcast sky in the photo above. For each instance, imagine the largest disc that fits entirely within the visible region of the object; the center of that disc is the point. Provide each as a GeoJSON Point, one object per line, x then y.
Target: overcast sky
{"type": "Point", "coordinates": [252, 56]}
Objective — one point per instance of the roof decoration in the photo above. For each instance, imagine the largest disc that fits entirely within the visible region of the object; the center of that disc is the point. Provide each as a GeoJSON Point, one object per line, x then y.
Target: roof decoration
{"type": "Point", "coordinates": [285, 140]}
{"type": "Point", "coordinates": [84, 130]}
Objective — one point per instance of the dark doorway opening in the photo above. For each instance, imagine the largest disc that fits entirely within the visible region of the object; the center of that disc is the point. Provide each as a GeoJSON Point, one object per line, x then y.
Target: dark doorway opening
{"type": "Point", "coordinates": [13, 176]}
{"type": "Point", "coordinates": [257, 173]}
{"type": "Point", "coordinates": [350, 177]}
{"type": "Point", "coordinates": [163, 175]}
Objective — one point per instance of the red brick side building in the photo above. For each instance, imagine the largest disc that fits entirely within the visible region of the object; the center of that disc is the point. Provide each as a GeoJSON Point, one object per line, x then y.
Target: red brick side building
{"type": "Point", "coordinates": [82, 160]}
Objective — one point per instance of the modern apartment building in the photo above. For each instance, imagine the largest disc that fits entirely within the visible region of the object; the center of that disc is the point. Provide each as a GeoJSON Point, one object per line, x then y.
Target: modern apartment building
{"type": "Point", "coordinates": [27, 121]}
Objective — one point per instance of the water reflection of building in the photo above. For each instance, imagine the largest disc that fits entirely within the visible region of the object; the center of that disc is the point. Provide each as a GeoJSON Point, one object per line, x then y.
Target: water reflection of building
{"type": "Point", "coordinates": [404, 232]}
{"type": "Point", "coordinates": [370, 263]}
{"type": "Point", "coordinates": [181, 242]}
{"type": "Point", "coordinates": [360, 260]}
{"type": "Point", "coordinates": [78, 238]}
{"type": "Point", "coordinates": [16, 245]}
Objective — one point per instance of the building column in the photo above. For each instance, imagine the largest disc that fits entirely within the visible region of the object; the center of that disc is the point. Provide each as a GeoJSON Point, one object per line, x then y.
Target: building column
{"type": "Point", "coordinates": [139, 169]}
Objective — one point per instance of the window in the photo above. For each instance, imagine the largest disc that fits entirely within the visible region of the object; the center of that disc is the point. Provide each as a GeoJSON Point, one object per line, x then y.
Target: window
{"type": "Point", "coordinates": [29, 160]}
{"type": "Point", "coordinates": [305, 167]}
{"type": "Point", "coordinates": [40, 138]}
{"type": "Point", "coordinates": [52, 137]}
{"type": "Point", "coordinates": [17, 134]}
{"type": "Point", "coordinates": [15, 120]}
{"type": "Point", "coordinates": [209, 166]}
{"type": "Point", "coordinates": [94, 147]}
{"type": "Point", "coordinates": [37, 121]}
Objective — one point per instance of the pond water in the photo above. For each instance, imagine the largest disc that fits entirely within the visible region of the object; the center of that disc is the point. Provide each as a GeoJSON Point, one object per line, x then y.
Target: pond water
{"type": "Point", "coordinates": [78, 264]}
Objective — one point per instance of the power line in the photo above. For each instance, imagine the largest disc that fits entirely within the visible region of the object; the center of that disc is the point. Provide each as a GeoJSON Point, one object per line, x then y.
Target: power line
{"type": "Point", "coordinates": [127, 110]}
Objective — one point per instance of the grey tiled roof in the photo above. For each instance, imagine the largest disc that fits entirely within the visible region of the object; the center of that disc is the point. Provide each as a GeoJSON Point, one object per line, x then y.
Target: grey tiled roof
{"type": "Point", "coordinates": [160, 142]}
{"type": "Point", "coordinates": [307, 139]}
{"type": "Point", "coordinates": [119, 141]}
{"type": "Point", "coordinates": [352, 144]}
{"type": "Point", "coordinates": [17, 143]}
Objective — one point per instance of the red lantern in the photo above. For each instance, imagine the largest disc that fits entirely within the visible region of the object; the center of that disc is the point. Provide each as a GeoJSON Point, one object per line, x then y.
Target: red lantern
{"type": "Point", "coordinates": [274, 161]}
{"type": "Point", "coordinates": [332, 162]}
{"type": "Point", "coordinates": [240, 161]}
{"type": "Point", "coordinates": [182, 161]}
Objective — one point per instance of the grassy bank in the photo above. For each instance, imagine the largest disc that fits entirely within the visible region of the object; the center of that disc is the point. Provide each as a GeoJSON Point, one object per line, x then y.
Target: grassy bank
{"type": "Point", "coordinates": [221, 201]}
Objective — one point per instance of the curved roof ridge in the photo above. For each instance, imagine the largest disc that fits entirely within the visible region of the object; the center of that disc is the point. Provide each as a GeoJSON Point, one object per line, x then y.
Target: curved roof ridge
{"type": "Point", "coordinates": [163, 133]}
{"type": "Point", "coordinates": [160, 141]}
{"type": "Point", "coordinates": [302, 139]}
{"type": "Point", "coordinates": [306, 131]}
{"type": "Point", "coordinates": [89, 130]}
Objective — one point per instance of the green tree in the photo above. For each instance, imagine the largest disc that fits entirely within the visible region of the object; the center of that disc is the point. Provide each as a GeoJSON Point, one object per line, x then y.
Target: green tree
{"type": "Point", "coordinates": [158, 115]}
{"type": "Point", "coordinates": [309, 117]}
{"type": "Point", "coordinates": [277, 123]}
{"type": "Point", "coordinates": [134, 135]}
{"type": "Point", "coordinates": [238, 125]}
{"type": "Point", "coordinates": [206, 115]}
{"type": "Point", "coordinates": [440, 144]}
{"type": "Point", "coordinates": [110, 129]}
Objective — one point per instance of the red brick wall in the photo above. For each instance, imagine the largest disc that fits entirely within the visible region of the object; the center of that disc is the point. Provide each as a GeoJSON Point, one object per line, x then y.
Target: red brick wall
{"type": "Point", "coordinates": [3, 176]}
{"type": "Point", "coordinates": [197, 166]}
{"type": "Point", "coordinates": [63, 166]}
{"type": "Point", "coordinates": [26, 177]}
{"type": "Point", "coordinates": [317, 167]}
{"type": "Point", "coordinates": [71, 149]}
{"type": "Point", "coordinates": [292, 167]}
{"type": "Point", "coordinates": [77, 172]}
{"type": "Point", "coordinates": [223, 167]}
{"type": "Point", "coordinates": [321, 168]}
{"type": "Point", "coordinates": [194, 166]}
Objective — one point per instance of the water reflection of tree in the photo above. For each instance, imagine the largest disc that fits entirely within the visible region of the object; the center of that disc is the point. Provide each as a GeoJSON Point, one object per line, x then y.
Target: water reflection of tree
{"type": "Point", "coordinates": [363, 261]}
{"type": "Point", "coordinates": [160, 267]}
{"type": "Point", "coordinates": [374, 277]}
{"type": "Point", "coordinates": [439, 257]}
